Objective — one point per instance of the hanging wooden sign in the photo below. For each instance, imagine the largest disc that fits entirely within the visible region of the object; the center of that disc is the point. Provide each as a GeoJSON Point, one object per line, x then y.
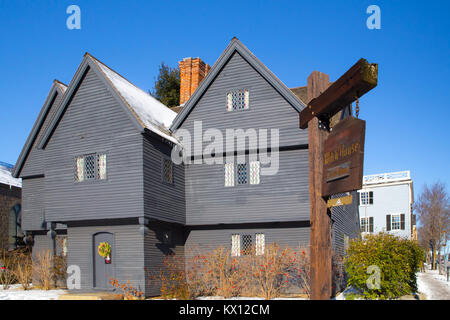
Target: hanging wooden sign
{"type": "Point", "coordinates": [343, 157]}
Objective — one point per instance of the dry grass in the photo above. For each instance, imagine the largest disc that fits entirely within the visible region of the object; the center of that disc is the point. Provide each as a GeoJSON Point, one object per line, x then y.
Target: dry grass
{"type": "Point", "coordinates": [23, 270]}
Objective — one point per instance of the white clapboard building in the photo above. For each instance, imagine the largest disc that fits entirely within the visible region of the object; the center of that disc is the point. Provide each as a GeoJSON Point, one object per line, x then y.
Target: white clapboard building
{"type": "Point", "coordinates": [385, 204]}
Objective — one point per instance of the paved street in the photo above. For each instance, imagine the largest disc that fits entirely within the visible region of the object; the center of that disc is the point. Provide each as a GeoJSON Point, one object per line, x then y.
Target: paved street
{"type": "Point", "coordinates": [433, 285]}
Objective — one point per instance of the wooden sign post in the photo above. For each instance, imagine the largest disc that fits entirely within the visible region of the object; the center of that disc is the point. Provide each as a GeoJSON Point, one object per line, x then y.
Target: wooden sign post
{"type": "Point", "coordinates": [337, 173]}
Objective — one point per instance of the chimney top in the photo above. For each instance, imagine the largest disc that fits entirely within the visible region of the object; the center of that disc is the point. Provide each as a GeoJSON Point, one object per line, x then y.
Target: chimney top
{"type": "Point", "coordinates": [192, 72]}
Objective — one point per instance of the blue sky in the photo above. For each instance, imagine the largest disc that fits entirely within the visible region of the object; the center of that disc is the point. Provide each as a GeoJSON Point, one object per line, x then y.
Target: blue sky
{"type": "Point", "coordinates": [407, 114]}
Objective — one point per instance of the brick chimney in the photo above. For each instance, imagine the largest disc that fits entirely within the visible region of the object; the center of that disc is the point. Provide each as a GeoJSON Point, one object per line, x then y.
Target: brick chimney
{"type": "Point", "coordinates": [192, 72]}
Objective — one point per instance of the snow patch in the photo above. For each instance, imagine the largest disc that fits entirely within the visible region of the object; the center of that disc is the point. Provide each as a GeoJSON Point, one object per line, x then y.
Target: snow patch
{"type": "Point", "coordinates": [154, 115]}
{"type": "Point", "coordinates": [7, 178]}
{"type": "Point", "coordinates": [15, 292]}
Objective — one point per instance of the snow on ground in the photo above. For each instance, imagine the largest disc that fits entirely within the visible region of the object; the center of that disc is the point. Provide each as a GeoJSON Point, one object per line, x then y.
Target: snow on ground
{"type": "Point", "coordinates": [15, 292]}
{"type": "Point", "coordinates": [433, 285]}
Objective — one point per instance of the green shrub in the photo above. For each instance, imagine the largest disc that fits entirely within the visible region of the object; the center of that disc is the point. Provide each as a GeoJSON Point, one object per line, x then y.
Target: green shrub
{"type": "Point", "coordinates": [397, 259]}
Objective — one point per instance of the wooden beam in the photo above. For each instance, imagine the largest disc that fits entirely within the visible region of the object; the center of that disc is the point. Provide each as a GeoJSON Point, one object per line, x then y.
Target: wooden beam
{"type": "Point", "coordinates": [357, 81]}
{"type": "Point", "coordinates": [320, 232]}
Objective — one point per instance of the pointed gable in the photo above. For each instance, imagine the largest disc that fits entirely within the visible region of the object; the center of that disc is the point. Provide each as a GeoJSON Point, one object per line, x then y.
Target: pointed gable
{"type": "Point", "coordinates": [236, 46]}
{"type": "Point", "coordinates": [30, 149]}
{"type": "Point", "coordinates": [146, 112]}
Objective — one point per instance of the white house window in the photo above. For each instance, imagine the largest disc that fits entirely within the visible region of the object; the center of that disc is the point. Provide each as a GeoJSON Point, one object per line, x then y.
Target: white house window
{"type": "Point", "coordinates": [260, 243]}
{"type": "Point", "coordinates": [167, 171]}
{"type": "Point", "coordinates": [236, 245]}
{"type": "Point", "coordinates": [254, 172]}
{"type": "Point", "coordinates": [237, 99]}
{"type": "Point", "coordinates": [90, 167]}
{"type": "Point", "coordinates": [367, 224]}
{"type": "Point", "coordinates": [366, 198]}
{"type": "Point", "coordinates": [395, 222]}
{"type": "Point", "coordinates": [229, 174]}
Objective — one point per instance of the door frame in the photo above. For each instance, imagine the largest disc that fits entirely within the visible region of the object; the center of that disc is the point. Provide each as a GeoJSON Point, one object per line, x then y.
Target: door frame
{"type": "Point", "coordinates": [93, 255]}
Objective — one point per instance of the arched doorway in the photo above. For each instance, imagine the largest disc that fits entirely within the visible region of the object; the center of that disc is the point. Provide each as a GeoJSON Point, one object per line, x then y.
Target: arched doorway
{"type": "Point", "coordinates": [102, 270]}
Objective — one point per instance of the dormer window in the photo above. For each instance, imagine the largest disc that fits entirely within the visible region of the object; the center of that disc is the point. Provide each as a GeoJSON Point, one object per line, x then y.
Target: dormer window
{"type": "Point", "coordinates": [237, 99]}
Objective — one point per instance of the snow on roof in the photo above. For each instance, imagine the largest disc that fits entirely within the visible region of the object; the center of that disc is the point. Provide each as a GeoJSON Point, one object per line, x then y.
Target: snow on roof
{"type": "Point", "coordinates": [151, 113]}
{"type": "Point", "coordinates": [7, 178]}
{"type": "Point", "coordinates": [60, 85]}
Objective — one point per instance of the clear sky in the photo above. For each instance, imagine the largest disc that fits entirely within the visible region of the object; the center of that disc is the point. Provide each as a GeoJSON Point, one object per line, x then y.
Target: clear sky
{"type": "Point", "coordinates": [407, 115]}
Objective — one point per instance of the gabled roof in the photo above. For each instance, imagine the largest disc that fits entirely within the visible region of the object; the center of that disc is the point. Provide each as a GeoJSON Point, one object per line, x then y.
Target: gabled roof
{"type": "Point", "coordinates": [56, 88]}
{"type": "Point", "coordinates": [236, 46]}
{"type": "Point", "coordinates": [146, 112]}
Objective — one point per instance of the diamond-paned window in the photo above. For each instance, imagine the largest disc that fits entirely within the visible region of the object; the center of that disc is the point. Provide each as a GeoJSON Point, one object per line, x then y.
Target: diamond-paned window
{"type": "Point", "coordinates": [237, 99]}
{"type": "Point", "coordinates": [242, 173]}
{"type": "Point", "coordinates": [101, 166]}
{"type": "Point", "coordinates": [229, 174]}
{"type": "Point", "coordinates": [254, 172]}
{"type": "Point", "coordinates": [167, 170]}
{"type": "Point", "coordinates": [260, 243]}
{"type": "Point", "coordinates": [90, 167]}
{"type": "Point", "coordinates": [247, 244]}
{"type": "Point", "coordinates": [236, 245]}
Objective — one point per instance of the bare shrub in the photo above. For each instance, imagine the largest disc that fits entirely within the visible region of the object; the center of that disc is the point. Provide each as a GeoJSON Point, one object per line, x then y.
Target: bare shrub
{"type": "Point", "coordinates": [128, 291]}
{"type": "Point", "coordinates": [217, 273]}
{"type": "Point", "coordinates": [23, 269]}
{"type": "Point", "coordinates": [7, 265]}
{"type": "Point", "coordinates": [43, 270]}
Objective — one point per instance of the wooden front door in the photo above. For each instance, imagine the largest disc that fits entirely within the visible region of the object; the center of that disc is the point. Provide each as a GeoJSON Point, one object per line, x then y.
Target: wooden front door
{"type": "Point", "coordinates": [102, 270]}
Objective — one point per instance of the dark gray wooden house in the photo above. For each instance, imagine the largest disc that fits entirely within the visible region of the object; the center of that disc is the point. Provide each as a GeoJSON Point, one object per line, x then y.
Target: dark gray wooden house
{"type": "Point", "coordinates": [97, 167]}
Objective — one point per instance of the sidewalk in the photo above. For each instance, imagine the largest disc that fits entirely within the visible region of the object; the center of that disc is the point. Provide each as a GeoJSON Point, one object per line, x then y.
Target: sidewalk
{"type": "Point", "coordinates": [433, 285]}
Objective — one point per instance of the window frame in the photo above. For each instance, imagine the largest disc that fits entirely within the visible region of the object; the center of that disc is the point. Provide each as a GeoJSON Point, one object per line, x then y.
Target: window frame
{"type": "Point", "coordinates": [163, 160]}
{"type": "Point", "coordinates": [370, 197]}
{"type": "Point", "coordinates": [96, 167]}
{"type": "Point", "coordinates": [235, 177]}
{"type": "Point", "coordinates": [235, 89]}
{"type": "Point", "coordinates": [399, 215]}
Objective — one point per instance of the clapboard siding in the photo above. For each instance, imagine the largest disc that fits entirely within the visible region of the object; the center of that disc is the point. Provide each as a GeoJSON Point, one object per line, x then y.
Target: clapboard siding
{"type": "Point", "coordinates": [33, 199]}
{"type": "Point", "coordinates": [34, 163]}
{"type": "Point", "coordinates": [268, 109]}
{"type": "Point", "coordinates": [128, 253]}
{"type": "Point", "coordinates": [212, 238]}
{"type": "Point", "coordinates": [345, 222]}
{"type": "Point", "coordinates": [94, 122]}
{"type": "Point", "coordinates": [280, 197]}
{"type": "Point", "coordinates": [162, 201]}
{"type": "Point", "coordinates": [155, 251]}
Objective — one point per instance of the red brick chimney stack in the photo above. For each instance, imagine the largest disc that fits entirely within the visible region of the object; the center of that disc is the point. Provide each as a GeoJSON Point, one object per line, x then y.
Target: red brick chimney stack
{"type": "Point", "coordinates": [192, 72]}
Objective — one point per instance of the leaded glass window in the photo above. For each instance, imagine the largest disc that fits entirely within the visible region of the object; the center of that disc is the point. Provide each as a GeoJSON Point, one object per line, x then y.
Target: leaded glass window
{"type": "Point", "coordinates": [242, 174]}
{"type": "Point", "coordinates": [254, 172]}
{"type": "Point", "coordinates": [167, 170]}
{"type": "Point", "coordinates": [247, 244]}
{"type": "Point", "coordinates": [260, 243]}
{"type": "Point", "coordinates": [90, 167]}
{"type": "Point", "coordinates": [235, 245]}
{"type": "Point", "coordinates": [237, 99]}
{"type": "Point", "coordinates": [229, 174]}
